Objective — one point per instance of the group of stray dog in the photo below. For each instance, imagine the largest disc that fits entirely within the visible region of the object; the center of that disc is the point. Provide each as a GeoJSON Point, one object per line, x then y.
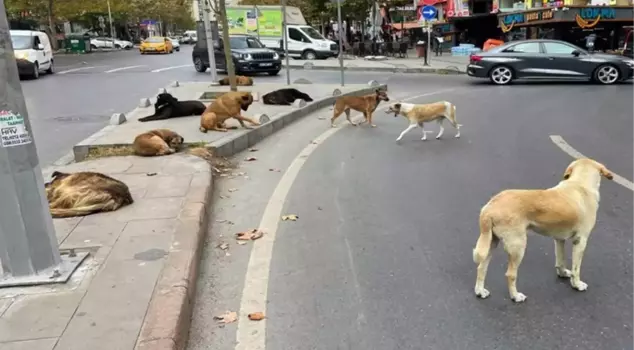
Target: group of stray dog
{"type": "Point", "coordinates": [566, 211]}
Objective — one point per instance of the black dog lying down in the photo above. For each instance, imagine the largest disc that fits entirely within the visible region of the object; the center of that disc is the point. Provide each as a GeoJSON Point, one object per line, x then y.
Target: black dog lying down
{"type": "Point", "coordinates": [284, 97]}
{"type": "Point", "coordinates": [167, 106]}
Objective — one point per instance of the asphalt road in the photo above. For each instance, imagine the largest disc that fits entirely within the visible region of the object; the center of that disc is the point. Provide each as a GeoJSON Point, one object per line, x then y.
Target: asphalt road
{"type": "Point", "coordinates": [380, 257]}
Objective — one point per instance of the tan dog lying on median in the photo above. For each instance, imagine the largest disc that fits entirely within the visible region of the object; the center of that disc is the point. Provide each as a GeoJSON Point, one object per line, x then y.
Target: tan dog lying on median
{"type": "Point", "coordinates": [241, 80]}
{"type": "Point", "coordinates": [366, 104]}
{"type": "Point", "coordinates": [157, 142]}
{"type": "Point", "coordinates": [566, 211]}
{"type": "Point", "coordinates": [418, 115]}
{"type": "Point", "coordinates": [227, 106]}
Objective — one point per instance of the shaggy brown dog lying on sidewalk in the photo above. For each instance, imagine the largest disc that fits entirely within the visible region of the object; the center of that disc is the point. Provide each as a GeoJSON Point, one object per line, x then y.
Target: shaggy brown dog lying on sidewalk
{"type": "Point", "coordinates": [85, 193]}
{"type": "Point", "coordinates": [366, 104]}
{"type": "Point", "coordinates": [157, 142]}
{"type": "Point", "coordinates": [227, 106]}
{"type": "Point", "coordinates": [241, 80]}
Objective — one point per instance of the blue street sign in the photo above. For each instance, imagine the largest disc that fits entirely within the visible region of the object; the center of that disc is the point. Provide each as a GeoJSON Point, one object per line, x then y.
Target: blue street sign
{"type": "Point", "coordinates": [428, 12]}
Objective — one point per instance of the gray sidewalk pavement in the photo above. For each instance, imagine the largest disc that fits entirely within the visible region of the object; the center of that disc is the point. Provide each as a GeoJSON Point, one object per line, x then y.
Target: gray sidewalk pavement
{"type": "Point", "coordinates": [445, 64]}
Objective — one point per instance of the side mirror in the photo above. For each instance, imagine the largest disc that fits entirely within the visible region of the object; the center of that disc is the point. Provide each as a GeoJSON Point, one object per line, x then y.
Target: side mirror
{"type": "Point", "coordinates": [576, 53]}
{"type": "Point", "coordinates": [40, 47]}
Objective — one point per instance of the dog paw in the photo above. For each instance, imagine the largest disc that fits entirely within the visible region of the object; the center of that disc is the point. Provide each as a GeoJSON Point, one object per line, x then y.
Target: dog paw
{"type": "Point", "coordinates": [519, 298]}
{"type": "Point", "coordinates": [580, 286]}
{"type": "Point", "coordinates": [563, 273]}
{"type": "Point", "coordinates": [482, 293]}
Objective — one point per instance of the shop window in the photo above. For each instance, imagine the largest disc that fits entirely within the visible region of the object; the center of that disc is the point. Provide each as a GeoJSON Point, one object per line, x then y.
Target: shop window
{"type": "Point", "coordinates": [524, 48]}
{"type": "Point", "coordinates": [560, 49]}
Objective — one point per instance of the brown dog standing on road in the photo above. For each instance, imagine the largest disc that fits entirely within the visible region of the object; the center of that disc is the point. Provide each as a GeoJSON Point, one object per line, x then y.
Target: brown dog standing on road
{"type": "Point", "coordinates": [241, 80]}
{"type": "Point", "coordinates": [418, 115]}
{"type": "Point", "coordinates": [157, 142]}
{"type": "Point", "coordinates": [227, 106]}
{"type": "Point", "coordinates": [566, 211]}
{"type": "Point", "coordinates": [85, 193]}
{"type": "Point", "coordinates": [366, 104]}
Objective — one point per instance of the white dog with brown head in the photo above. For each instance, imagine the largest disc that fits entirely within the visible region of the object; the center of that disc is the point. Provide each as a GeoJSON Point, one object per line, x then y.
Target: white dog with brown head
{"type": "Point", "coordinates": [566, 211]}
{"type": "Point", "coordinates": [418, 114]}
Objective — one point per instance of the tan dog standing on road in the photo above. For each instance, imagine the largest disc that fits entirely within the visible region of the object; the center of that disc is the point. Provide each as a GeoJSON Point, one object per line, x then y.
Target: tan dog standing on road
{"type": "Point", "coordinates": [227, 106]}
{"type": "Point", "coordinates": [365, 104]}
{"type": "Point", "coordinates": [418, 115]}
{"type": "Point", "coordinates": [566, 211]}
{"type": "Point", "coordinates": [157, 142]}
{"type": "Point", "coordinates": [241, 80]}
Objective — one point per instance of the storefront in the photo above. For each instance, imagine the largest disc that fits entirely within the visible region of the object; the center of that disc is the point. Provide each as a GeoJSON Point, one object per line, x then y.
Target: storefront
{"type": "Point", "coordinates": [572, 24]}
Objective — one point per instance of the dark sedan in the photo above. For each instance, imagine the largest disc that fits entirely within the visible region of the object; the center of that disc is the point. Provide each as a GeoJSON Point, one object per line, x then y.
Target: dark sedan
{"type": "Point", "coordinates": [547, 59]}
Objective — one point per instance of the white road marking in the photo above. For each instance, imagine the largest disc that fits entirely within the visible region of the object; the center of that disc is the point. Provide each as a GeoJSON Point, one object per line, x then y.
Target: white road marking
{"type": "Point", "coordinates": [561, 143]}
{"type": "Point", "coordinates": [170, 68]}
{"type": "Point", "coordinates": [252, 335]}
{"type": "Point", "coordinates": [123, 68]}
{"type": "Point", "coordinates": [74, 70]}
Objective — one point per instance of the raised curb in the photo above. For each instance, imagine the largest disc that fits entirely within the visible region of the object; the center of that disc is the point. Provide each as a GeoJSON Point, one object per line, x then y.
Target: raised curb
{"type": "Point", "coordinates": [422, 70]}
{"type": "Point", "coordinates": [168, 317]}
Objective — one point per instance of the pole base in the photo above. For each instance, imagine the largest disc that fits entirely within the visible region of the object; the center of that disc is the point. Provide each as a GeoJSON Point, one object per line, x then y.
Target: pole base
{"type": "Point", "coordinates": [57, 274]}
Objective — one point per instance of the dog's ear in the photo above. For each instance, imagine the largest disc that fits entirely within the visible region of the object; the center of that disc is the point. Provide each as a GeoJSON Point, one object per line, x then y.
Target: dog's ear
{"type": "Point", "coordinates": [605, 172]}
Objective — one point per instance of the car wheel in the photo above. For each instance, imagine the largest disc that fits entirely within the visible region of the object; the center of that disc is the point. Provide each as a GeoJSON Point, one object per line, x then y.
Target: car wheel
{"type": "Point", "coordinates": [199, 65]}
{"type": "Point", "coordinates": [607, 74]}
{"type": "Point", "coordinates": [501, 75]}
{"type": "Point", "coordinates": [309, 55]}
{"type": "Point", "coordinates": [50, 69]}
{"type": "Point", "coordinates": [36, 71]}
{"type": "Point", "coordinates": [274, 73]}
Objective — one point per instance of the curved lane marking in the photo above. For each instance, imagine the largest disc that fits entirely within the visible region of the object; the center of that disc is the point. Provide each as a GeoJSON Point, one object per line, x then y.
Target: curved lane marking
{"type": "Point", "coordinates": [251, 335]}
{"type": "Point", "coordinates": [561, 143]}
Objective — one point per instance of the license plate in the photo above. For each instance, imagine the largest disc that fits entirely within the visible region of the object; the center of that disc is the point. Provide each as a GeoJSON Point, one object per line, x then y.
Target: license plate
{"type": "Point", "coordinates": [266, 64]}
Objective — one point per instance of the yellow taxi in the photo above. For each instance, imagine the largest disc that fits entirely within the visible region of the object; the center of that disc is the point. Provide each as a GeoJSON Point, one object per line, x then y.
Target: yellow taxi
{"type": "Point", "coordinates": [156, 44]}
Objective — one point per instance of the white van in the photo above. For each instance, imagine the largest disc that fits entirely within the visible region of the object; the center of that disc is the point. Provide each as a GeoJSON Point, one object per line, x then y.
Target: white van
{"type": "Point", "coordinates": [33, 52]}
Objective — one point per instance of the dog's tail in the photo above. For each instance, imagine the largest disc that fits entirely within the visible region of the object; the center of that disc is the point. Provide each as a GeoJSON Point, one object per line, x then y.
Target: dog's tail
{"type": "Point", "coordinates": [483, 247]}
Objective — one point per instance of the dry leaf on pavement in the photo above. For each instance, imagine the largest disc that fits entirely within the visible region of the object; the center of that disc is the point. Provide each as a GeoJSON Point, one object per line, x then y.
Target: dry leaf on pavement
{"type": "Point", "coordinates": [250, 159]}
{"type": "Point", "coordinates": [227, 317]}
{"type": "Point", "coordinates": [250, 235]}
{"type": "Point", "coordinates": [291, 217]}
{"type": "Point", "coordinates": [256, 316]}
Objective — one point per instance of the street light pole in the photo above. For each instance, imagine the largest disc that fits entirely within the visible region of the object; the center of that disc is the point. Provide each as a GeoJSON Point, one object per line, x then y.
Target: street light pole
{"type": "Point", "coordinates": [209, 39]}
{"type": "Point", "coordinates": [285, 41]}
{"type": "Point", "coordinates": [340, 30]}
{"type": "Point", "coordinates": [28, 245]}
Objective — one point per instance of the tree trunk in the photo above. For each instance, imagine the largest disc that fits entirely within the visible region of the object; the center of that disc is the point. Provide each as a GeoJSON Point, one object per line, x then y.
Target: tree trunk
{"type": "Point", "coordinates": [51, 25]}
{"type": "Point", "coordinates": [227, 44]}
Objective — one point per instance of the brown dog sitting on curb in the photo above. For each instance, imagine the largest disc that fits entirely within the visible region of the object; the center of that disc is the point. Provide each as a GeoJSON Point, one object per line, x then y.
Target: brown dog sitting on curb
{"type": "Point", "coordinates": [227, 106]}
{"type": "Point", "coordinates": [366, 104]}
{"type": "Point", "coordinates": [241, 80]}
{"type": "Point", "coordinates": [158, 142]}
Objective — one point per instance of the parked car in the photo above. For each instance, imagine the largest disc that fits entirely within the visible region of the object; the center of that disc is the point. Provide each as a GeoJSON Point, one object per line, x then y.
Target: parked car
{"type": "Point", "coordinates": [107, 43]}
{"type": "Point", "coordinates": [175, 44]}
{"type": "Point", "coordinates": [156, 44]}
{"type": "Point", "coordinates": [33, 52]}
{"type": "Point", "coordinates": [543, 58]}
{"type": "Point", "coordinates": [249, 55]}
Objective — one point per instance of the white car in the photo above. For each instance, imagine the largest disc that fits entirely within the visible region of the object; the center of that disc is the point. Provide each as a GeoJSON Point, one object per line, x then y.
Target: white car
{"type": "Point", "coordinates": [106, 43]}
{"type": "Point", "coordinates": [175, 44]}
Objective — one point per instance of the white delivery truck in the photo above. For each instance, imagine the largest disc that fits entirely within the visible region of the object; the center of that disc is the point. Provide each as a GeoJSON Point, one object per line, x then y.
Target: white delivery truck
{"type": "Point", "coordinates": [265, 22]}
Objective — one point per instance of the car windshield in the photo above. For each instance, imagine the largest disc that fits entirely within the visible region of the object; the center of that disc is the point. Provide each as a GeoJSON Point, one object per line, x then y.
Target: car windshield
{"type": "Point", "coordinates": [22, 42]}
{"type": "Point", "coordinates": [312, 33]}
{"type": "Point", "coordinates": [155, 40]}
{"type": "Point", "coordinates": [245, 43]}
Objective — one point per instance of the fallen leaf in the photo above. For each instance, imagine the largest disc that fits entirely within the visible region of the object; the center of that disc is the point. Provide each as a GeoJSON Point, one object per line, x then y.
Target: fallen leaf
{"type": "Point", "coordinates": [150, 174]}
{"type": "Point", "coordinates": [253, 149]}
{"type": "Point", "coordinates": [256, 316]}
{"type": "Point", "coordinates": [223, 246]}
{"type": "Point", "coordinates": [233, 189]}
{"type": "Point", "coordinates": [251, 235]}
{"type": "Point", "coordinates": [227, 317]}
{"type": "Point", "coordinates": [242, 243]}
{"type": "Point", "coordinates": [291, 217]}
{"type": "Point", "coordinates": [250, 159]}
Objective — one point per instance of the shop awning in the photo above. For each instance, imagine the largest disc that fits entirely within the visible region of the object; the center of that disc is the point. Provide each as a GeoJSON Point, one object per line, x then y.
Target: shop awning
{"type": "Point", "coordinates": [406, 25]}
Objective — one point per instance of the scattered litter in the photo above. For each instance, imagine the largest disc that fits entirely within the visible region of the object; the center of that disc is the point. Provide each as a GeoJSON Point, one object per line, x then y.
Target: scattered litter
{"type": "Point", "coordinates": [233, 189]}
{"type": "Point", "coordinates": [275, 170]}
{"type": "Point", "coordinates": [242, 243]}
{"type": "Point", "coordinates": [223, 246]}
{"type": "Point", "coordinates": [256, 316]}
{"type": "Point", "coordinates": [291, 217]}
{"type": "Point", "coordinates": [253, 149]}
{"type": "Point", "coordinates": [150, 174]}
{"type": "Point", "coordinates": [250, 159]}
{"type": "Point", "coordinates": [251, 235]}
{"type": "Point", "coordinates": [227, 317]}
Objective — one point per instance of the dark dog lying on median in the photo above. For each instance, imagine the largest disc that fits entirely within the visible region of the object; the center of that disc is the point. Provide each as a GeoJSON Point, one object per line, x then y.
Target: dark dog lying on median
{"type": "Point", "coordinates": [284, 97]}
{"type": "Point", "coordinates": [167, 106]}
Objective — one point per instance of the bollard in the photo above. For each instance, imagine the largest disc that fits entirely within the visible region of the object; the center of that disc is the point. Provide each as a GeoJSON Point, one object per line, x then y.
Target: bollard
{"type": "Point", "coordinates": [262, 118]}
{"type": "Point", "coordinates": [175, 84]}
{"type": "Point", "coordinates": [336, 92]}
{"type": "Point", "coordinates": [144, 103]}
{"type": "Point", "coordinates": [299, 103]}
{"type": "Point", "coordinates": [302, 81]}
{"type": "Point", "coordinates": [117, 119]}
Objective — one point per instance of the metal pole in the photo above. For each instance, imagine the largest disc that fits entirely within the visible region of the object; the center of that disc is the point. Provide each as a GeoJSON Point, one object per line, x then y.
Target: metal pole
{"type": "Point", "coordinates": [111, 27]}
{"type": "Point", "coordinates": [340, 30]}
{"type": "Point", "coordinates": [284, 37]}
{"type": "Point", "coordinates": [210, 42]}
{"type": "Point", "coordinates": [28, 245]}
{"type": "Point", "coordinates": [257, 20]}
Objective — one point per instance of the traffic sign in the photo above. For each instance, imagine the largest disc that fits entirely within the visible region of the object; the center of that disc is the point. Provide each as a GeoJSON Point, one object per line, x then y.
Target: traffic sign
{"type": "Point", "coordinates": [428, 12]}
